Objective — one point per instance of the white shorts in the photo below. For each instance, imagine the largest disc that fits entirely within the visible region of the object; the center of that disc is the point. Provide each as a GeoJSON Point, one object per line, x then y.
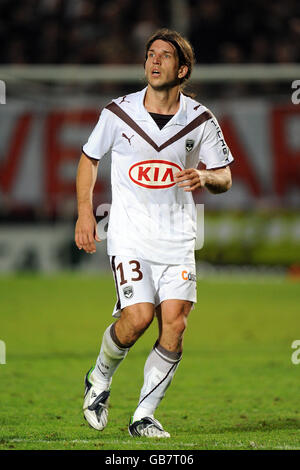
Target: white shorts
{"type": "Point", "coordinates": [139, 281]}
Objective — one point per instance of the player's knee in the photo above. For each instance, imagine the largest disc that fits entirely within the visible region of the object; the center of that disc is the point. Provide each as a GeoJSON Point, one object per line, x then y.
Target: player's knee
{"type": "Point", "coordinates": [177, 326]}
{"type": "Point", "coordinates": [180, 325]}
{"type": "Point", "coordinates": [137, 320]}
{"type": "Point", "coordinates": [140, 322]}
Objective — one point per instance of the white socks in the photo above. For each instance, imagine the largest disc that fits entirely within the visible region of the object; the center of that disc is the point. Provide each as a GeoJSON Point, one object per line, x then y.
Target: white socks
{"type": "Point", "coordinates": [159, 370]}
{"type": "Point", "coordinates": [109, 359]}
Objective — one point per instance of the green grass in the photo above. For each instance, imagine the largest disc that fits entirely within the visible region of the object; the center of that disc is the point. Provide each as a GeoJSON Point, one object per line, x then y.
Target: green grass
{"type": "Point", "coordinates": [236, 387]}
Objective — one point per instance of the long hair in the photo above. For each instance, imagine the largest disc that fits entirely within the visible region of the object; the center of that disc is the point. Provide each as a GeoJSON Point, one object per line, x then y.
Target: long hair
{"type": "Point", "coordinates": [183, 47]}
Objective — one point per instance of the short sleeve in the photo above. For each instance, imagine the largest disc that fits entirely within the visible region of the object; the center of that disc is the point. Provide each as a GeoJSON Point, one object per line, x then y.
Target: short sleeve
{"type": "Point", "coordinates": [214, 152]}
{"type": "Point", "coordinates": [101, 138]}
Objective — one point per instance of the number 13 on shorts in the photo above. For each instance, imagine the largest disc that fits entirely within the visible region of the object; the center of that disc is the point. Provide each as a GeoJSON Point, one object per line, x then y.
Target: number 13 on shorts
{"type": "Point", "coordinates": [131, 282]}
{"type": "Point", "coordinates": [139, 281]}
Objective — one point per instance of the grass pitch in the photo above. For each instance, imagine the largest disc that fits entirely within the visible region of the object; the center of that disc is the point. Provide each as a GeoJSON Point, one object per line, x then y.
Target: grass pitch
{"type": "Point", "coordinates": [236, 387]}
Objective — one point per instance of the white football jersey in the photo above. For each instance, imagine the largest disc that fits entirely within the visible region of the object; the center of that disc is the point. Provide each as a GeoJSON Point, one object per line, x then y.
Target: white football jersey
{"type": "Point", "coordinates": [151, 217]}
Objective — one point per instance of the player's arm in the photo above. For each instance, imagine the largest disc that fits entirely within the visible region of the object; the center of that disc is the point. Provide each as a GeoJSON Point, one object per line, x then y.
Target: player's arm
{"type": "Point", "coordinates": [85, 229]}
{"type": "Point", "coordinates": [216, 181]}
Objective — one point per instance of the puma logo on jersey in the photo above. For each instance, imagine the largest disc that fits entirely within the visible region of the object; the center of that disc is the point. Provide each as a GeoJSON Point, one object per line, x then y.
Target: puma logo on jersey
{"type": "Point", "coordinates": [128, 138]}
{"type": "Point", "coordinates": [124, 100]}
{"type": "Point", "coordinates": [154, 174]}
{"type": "Point", "coordinates": [196, 107]}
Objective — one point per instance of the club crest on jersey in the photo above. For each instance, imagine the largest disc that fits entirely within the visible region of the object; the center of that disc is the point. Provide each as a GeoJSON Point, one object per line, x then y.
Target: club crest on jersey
{"type": "Point", "coordinates": [128, 292]}
{"type": "Point", "coordinates": [154, 174]}
{"type": "Point", "coordinates": [189, 145]}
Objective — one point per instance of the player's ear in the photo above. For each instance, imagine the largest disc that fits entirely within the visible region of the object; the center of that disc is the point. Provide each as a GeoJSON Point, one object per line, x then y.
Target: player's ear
{"type": "Point", "coordinates": [183, 70]}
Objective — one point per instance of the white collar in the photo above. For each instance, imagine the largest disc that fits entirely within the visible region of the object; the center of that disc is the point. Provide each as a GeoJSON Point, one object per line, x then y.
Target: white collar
{"type": "Point", "coordinates": [143, 115]}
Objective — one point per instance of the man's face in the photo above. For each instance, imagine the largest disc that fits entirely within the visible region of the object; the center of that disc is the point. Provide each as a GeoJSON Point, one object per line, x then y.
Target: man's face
{"type": "Point", "coordinates": [161, 68]}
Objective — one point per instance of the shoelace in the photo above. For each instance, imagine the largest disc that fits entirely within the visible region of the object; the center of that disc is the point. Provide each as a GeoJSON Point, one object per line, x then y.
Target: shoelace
{"type": "Point", "coordinates": [100, 401]}
{"type": "Point", "coordinates": [152, 430]}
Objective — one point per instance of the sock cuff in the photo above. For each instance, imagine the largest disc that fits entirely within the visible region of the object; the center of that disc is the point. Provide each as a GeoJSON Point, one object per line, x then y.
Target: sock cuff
{"type": "Point", "coordinates": [115, 340]}
{"type": "Point", "coordinates": [169, 356]}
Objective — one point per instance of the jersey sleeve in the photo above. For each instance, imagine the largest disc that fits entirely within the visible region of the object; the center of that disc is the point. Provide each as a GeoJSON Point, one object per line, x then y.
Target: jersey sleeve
{"type": "Point", "coordinates": [214, 152]}
{"type": "Point", "coordinates": [101, 138]}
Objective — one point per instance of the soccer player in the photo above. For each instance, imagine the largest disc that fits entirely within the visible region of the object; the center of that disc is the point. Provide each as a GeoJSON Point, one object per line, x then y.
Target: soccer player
{"type": "Point", "coordinates": [156, 138]}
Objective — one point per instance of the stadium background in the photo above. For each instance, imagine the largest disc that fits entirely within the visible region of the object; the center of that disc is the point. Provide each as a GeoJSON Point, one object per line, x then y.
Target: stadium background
{"type": "Point", "coordinates": [50, 111]}
{"type": "Point", "coordinates": [62, 60]}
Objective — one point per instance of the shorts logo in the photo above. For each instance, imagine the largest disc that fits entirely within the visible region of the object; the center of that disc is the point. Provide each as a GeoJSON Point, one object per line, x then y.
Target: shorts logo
{"type": "Point", "coordinates": [128, 292]}
{"type": "Point", "coordinates": [188, 276]}
{"type": "Point", "coordinates": [189, 145]}
{"type": "Point", "coordinates": [154, 174]}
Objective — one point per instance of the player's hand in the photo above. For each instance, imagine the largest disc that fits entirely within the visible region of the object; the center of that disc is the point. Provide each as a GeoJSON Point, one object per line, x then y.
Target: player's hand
{"type": "Point", "coordinates": [190, 179]}
{"type": "Point", "coordinates": [86, 233]}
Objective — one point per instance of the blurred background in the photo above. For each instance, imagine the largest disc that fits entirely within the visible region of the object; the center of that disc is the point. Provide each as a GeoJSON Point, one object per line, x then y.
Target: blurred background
{"type": "Point", "coordinates": [63, 60]}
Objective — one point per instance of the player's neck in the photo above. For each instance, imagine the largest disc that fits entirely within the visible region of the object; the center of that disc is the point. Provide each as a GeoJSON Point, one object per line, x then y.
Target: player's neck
{"type": "Point", "coordinates": [162, 101]}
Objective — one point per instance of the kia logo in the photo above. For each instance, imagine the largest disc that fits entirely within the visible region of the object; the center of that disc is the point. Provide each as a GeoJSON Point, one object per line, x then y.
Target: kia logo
{"type": "Point", "coordinates": [154, 174]}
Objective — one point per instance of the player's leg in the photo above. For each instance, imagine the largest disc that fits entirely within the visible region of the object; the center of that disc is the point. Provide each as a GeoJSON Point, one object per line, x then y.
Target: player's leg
{"type": "Point", "coordinates": [134, 320]}
{"type": "Point", "coordinates": [135, 310]}
{"type": "Point", "coordinates": [172, 320]}
{"type": "Point", "coordinates": [116, 342]}
{"type": "Point", "coordinates": [160, 367]}
{"type": "Point", "coordinates": [118, 338]}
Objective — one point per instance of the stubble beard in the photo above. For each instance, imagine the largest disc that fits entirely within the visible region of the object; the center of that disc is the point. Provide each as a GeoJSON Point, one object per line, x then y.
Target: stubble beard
{"type": "Point", "coordinates": [165, 86]}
